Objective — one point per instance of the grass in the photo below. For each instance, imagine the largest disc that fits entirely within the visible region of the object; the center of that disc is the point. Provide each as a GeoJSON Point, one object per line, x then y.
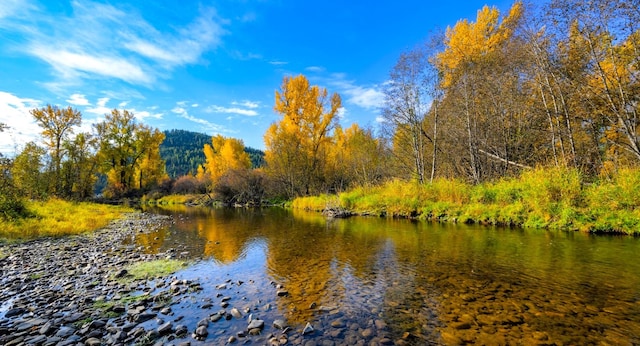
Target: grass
{"type": "Point", "coordinates": [542, 198]}
{"type": "Point", "coordinates": [153, 269]}
{"type": "Point", "coordinates": [56, 218]}
{"type": "Point", "coordinates": [173, 199]}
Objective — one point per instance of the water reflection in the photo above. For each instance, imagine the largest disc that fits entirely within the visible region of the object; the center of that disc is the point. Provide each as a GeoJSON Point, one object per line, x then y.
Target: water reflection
{"type": "Point", "coordinates": [412, 282]}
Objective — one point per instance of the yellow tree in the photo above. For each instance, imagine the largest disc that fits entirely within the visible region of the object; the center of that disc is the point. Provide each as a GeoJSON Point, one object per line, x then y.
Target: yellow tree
{"type": "Point", "coordinates": [224, 154]}
{"type": "Point", "coordinates": [123, 147]}
{"type": "Point", "coordinates": [481, 89]}
{"type": "Point", "coordinates": [297, 146]}
{"type": "Point", "coordinates": [57, 125]}
{"type": "Point", "coordinates": [359, 158]}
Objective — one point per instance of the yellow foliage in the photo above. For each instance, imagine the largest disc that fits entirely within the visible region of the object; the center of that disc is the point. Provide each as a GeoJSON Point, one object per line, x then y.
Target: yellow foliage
{"type": "Point", "coordinates": [222, 155]}
{"type": "Point", "coordinates": [468, 41]}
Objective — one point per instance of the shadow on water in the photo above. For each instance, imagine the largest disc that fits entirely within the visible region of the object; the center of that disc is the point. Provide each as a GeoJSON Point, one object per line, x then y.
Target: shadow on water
{"type": "Point", "coordinates": [403, 282]}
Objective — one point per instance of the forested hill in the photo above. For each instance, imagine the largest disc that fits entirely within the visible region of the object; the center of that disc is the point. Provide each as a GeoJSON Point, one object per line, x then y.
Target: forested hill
{"type": "Point", "coordinates": [183, 153]}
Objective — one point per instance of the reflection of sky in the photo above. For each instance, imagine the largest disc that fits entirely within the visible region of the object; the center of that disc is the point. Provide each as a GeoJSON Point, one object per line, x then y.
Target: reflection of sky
{"type": "Point", "coordinates": [406, 274]}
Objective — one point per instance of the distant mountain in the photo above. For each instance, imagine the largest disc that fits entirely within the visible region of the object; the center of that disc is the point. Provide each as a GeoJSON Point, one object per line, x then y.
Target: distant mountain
{"type": "Point", "coordinates": [183, 153]}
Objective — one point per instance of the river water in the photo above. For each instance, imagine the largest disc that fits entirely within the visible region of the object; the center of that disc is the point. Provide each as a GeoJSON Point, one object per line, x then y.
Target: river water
{"type": "Point", "coordinates": [385, 281]}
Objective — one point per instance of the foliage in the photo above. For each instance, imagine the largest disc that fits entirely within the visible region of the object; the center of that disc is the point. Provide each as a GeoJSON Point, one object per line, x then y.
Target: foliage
{"type": "Point", "coordinates": [129, 153]}
{"type": "Point", "coordinates": [28, 171]}
{"type": "Point", "coordinates": [298, 145]}
{"type": "Point", "coordinates": [549, 198]}
{"type": "Point", "coordinates": [222, 155]}
{"type": "Point", "coordinates": [56, 217]}
{"type": "Point", "coordinates": [57, 125]}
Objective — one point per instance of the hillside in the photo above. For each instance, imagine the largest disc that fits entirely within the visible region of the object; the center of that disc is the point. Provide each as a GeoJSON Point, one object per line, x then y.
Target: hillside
{"type": "Point", "coordinates": [182, 152]}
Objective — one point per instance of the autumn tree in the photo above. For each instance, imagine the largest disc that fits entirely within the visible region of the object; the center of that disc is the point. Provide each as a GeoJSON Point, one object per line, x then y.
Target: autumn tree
{"type": "Point", "coordinates": [128, 153]}
{"type": "Point", "coordinates": [483, 94]}
{"type": "Point", "coordinates": [57, 124]}
{"type": "Point", "coordinates": [298, 144]}
{"type": "Point", "coordinates": [224, 154]}
{"type": "Point", "coordinates": [359, 158]}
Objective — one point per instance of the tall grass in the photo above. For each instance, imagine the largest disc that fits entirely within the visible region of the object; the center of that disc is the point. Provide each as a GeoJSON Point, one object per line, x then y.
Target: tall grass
{"type": "Point", "coordinates": [59, 218]}
{"type": "Point", "coordinates": [546, 198]}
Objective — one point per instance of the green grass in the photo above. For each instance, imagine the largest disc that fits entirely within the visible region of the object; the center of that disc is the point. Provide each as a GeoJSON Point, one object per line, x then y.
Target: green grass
{"type": "Point", "coordinates": [542, 198]}
{"type": "Point", "coordinates": [153, 269]}
{"type": "Point", "coordinates": [55, 218]}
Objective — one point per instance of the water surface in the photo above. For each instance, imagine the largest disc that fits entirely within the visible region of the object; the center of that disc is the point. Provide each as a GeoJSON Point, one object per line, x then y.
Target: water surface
{"type": "Point", "coordinates": [386, 281]}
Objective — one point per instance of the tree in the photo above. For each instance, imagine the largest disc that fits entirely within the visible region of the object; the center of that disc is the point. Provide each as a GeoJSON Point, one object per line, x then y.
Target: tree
{"type": "Point", "coordinates": [297, 145]}
{"type": "Point", "coordinates": [359, 158]}
{"type": "Point", "coordinates": [224, 154]}
{"type": "Point", "coordinates": [482, 88]}
{"type": "Point", "coordinates": [28, 172]}
{"type": "Point", "coordinates": [81, 168]}
{"type": "Point", "coordinates": [57, 125]}
{"type": "Point", "coordinates": [128, 153]}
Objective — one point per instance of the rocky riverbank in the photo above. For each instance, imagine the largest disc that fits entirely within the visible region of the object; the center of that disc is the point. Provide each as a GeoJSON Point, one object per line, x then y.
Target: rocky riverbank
{"type": "Point", "coordinates": [74, 290]}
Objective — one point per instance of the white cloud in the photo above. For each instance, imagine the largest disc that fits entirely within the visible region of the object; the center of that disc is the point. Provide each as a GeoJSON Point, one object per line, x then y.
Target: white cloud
{"type": "Point", "coordinates": [369, 97]}
{"type": "Point", "coordinates": [278, 63]}
{"type": "Point", "coordinates": [195, 105]}
{"type": "Point", "coordinates": [14, 112]}
{"type": "Point", "coordinates": [315, 69]}
{"type": "Point", "coordinates": [101, 107]}
{"type": "Point", "coordinates": [246, 103]}
{"type": "Point", "coordinates": [78, 100]}
{"type": "Point", "coordinates": [207, 126]}
{"type": "Point", "coordinates": [100, 40]}
{"type": "Point", "coordinates": [232, 110]}
{"type": "Point", "coordinates": [123, 104]}
{"type": "Point", "coordinates": [142, 115]}
{"type": "Point", "coordinates": [342, 113]}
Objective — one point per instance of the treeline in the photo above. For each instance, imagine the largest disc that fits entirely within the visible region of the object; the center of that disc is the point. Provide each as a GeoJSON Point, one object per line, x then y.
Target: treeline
{"type": "Point", "coordinates": [183, 152]}
{"type": "Point", "coordinates": [489, 98]}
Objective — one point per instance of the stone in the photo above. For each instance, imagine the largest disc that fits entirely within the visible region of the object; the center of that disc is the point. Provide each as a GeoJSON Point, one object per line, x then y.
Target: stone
{"type": "Point", "coordinates": [93, 342]}
{"type": "Point", "coordinates": [201, 332]}
{"type": "Point", "coordinates": [282, 293]}
{"type": "Point", "coordinates": [256, 324]}
{"type": "Point", "coordinates": [165, 328]}
{"type": "Point", "coordinates": [236, 313]}
{"type": "Point", "coordinates": [308, 329]}
{"type": "Point", "coordinates": [279, 324]}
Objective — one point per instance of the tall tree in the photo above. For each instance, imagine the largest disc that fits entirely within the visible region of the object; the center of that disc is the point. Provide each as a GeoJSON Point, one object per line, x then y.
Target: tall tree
{"type": "Point", "coordinates": [81, 168]}
{"type": "Point", "coordinates": [28, 172]}
{"type": "Point", "coordinates": [57, 125]}
{"type": "Point", "coordinates": [123, 147]}
{"type": "Point", "coordinates": [298, 144]}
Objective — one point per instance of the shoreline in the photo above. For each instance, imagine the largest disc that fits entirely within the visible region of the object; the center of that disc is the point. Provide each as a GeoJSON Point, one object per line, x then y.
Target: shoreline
{"type": "Point", "coordinates": [73, 289]}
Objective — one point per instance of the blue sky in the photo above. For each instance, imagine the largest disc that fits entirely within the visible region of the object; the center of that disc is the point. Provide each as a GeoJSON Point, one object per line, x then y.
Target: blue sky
{"type": "Point", "coordinates": [207, 66]}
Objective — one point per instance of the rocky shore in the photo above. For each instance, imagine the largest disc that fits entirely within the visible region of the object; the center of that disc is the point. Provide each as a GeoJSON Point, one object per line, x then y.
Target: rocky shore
{"type": "Point", "coordinates": [74, 290]}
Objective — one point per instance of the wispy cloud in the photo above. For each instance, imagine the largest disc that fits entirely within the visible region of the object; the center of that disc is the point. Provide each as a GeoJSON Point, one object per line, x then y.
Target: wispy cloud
{"type": "Point", "coordinates": [78, 100]}
{"type": "Point", "coordinates": [278, 63]}
{"type": "Point", "coordinates": [315, 69]}
{"type": "Point", "coordinates": [206, 125]}
{"type": "Point", "coordinates": [14, 112]}
{"type": "Point", "coordinates": [369, 97]}
{"type": "Point", "coordinates": [100, 40]}
{"type": "Point", "coordinates": [232, 110]}
{"type": "Point", "coordinates": [246, 103]}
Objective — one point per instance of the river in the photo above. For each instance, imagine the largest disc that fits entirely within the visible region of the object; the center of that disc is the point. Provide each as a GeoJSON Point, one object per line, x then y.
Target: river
{"type": "Point", "coordinates": [387, 281]}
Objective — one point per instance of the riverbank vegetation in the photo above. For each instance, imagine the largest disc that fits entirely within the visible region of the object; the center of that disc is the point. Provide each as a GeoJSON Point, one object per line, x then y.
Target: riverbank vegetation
{"type": "Point", "coordinates": [55, 218]}
{"type": "Point", "coordinates": [548, 198]}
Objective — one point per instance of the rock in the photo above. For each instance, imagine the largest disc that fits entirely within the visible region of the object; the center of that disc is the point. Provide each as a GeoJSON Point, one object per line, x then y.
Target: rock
{"type": "Point", "coordinates": [165, 328]}
{"type": "Point", "coordinates": [339, 323]}
{"type": "Point", "coordinates": [145, 316]}
{"type": "Point", "coordinates": [201, 332]}
{"type": "Point", "coordinates": [181, 330]}
{"type": "Point", "coordinates": [367, 333]}
{"type": "Point", "coordinates": [93, 342]}
{"type": "Point", "coordinates": [236, 313]}
{"type": "Point", "coordinates": [380, 325]}
{"type": "Point", "coordinates": [308, 329]}
{"type": "Point", "coordinates": [47, 328]}
{"type": "Point", "coordinates": [279, 324]}
{"type": "Point", "coordinates": [232, 339]}
{"type": "Point", "coordinates": [282, 293]}
{"type": "Point", "coordinates": [215, 317]}
{"type": "Point", "coordinates": [256, 324]}
{"type": "Point", "coordinates": [14, 312]}
{"type": "Point", "coordinates": [203, 323]}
